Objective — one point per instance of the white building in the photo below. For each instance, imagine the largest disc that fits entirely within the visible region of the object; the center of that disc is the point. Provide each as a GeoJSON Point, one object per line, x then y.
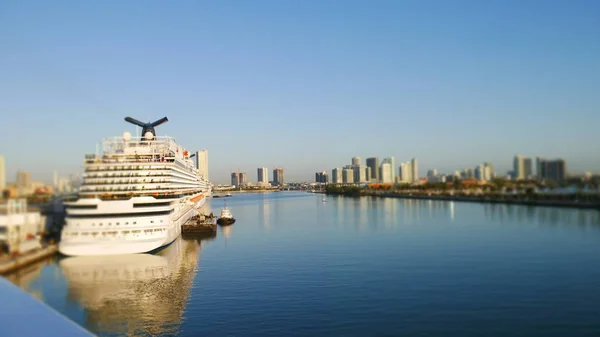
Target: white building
{"type": "Point", "coordinates": [386, 173]}
{"type": "Point", "coordinates": [360, 174]}
{"type": "Point", "coordinates": [392, 162]}
{"type": "Point", "coordinates": [348, 176]}
{"type": "Point", "coordinates": [2, 175]}
{"type": "Point", "coordinates": [262, 176]}
{"type": "Point", "coordinates": [336, 176]}
{"type": "Point", "coordinates": [202, 163]}
{"type": "Point", "coordinates": [19, 228]}
{"type": "Point", "coordinates": [405, 171]}
{"type": "Point", "coordinates": [414, 170]}
{"type": "Point", "coordinates": [356, 161]}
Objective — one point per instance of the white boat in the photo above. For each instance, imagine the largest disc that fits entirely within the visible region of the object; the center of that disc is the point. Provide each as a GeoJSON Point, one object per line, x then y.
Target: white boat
{"type": "Point", "coordinates": [134, 196]}
{"type": "Point", "coordinates": [226, 218]}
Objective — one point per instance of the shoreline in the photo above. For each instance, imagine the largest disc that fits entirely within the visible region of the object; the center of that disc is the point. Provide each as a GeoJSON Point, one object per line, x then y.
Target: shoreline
{"type": "Point", "coordinates": [508, 199]}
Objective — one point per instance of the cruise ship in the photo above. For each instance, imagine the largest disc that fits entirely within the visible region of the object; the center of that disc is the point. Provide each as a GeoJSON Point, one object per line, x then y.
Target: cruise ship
{"type": "Point", "coordinates": [135, 194]}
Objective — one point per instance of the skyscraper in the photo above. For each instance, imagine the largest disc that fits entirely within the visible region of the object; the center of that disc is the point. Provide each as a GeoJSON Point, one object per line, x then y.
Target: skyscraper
{"type": "Point", "coordinates": [202, 163]}
{"type": "Point", "coordinates": [553, 170]}
{"type": "Point", "coordinates": [528, 172]}
{"type": "Point", "coordinates": [392, 162]}
{"type": "Point", "coordinates": [278, 177]}
{"type": "Point", "coordinates": [348, 176]}
{"type": "Point", "coordinates": [336, 176]}
{"type": "Point", "coordinates": [235, 179]}
{"type": "Point", "coordinates": [386, 173]}
{"type": "Point", "coordinates": [356, 161]}
{"type": "Point", "coordinates": [263, 175]}
{"type": "Point", "coordinates": [360, 174]}
{"type": "Point", "coordinates": [521, 167]}
{"type": "Point", "coordinates": [414, 170]}
{"type": "Point", "coordinates": [321, 177]}
{"type": "Point", "coordinates": [2, 175]}
{"type": "Point", "coordinates": [373, 163]}
{"type": "Point", "coordinates": [243, 178]}
{"type": "Point", "coordinates": [405, 171]}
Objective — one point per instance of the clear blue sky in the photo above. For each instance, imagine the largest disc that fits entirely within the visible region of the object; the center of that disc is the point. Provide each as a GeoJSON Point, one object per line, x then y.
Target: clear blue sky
{"type": "Point", "coordinates": [303, 84]}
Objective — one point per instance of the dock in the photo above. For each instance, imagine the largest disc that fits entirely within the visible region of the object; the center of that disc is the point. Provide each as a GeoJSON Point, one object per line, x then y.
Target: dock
{"type": "Point", "coordinates": [10, 264]}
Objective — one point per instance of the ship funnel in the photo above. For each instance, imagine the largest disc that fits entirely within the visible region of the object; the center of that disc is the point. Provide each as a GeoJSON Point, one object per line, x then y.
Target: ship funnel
{"type": "Point", "coordinates": [147, 127]}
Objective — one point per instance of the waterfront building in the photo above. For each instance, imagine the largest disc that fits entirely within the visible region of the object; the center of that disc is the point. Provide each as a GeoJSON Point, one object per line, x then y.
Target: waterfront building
{"type": "Point", "coordinates": [392, 162]}
{"type": "Point", "coordinates": [243, 178]}
{"type": "Point", "coordinates": [553, 170]}
{"type": "Point", "coordinates": [386, 173]}
{"type": "Point", "coordinates": [405, 171]}
{"type": "Point", "coordinates": [522, 167]}
{"type": "Point", "coordinates": [356, 161]}
{"type": "Point", "coordinates": [19, 228]}
{"type": "Point", "coordinates": [202, 163]}
{"type": "Point", "coordinates": [368, 174]}
{"type": "Point", "coordinates": [360, 174]}
{"type": "Point", "coordinates": [263, 176]}
{"type": "Point", "coordinates": [414, 170]}
{"type": "Point", "coordinates": [278, 178]}
{"type": "Point", "coordinates": [433, 173]}
{"type": "Point", "coordinates": [348, 176]}
{"type": "Point", "coordinates": [336, 176]}
{"type": "Point", "coordinates": [488, 171]}
{"type": "Point", "coordinates": [478, 172]}
{"type": "Point", "coordinates": [321, 177]}
{"type": "Point", "coordinates": [373, 164]}
{"type": "Point", "coordinates": [235, 179]}
{"type": "Point", "coordinates": [2, 175]}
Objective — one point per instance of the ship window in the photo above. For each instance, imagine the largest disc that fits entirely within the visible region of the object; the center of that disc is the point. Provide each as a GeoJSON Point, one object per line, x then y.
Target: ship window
{"type": "Point", "coordinates": [100, 224]}
{"type": "Point", "coordinates": [151, 221]}
{"type": "Point", "coordinates": [110, 224]}
{"type": "Point", "coordinates": [161, 221]}
{"type": "Point", "coordinates": [93, 224]}
{"type": "Point", "coordinates": [134, 222]}
{"type": "Point", "coordinates": [125, 232]}
{"type": "Point", "coordinates": [117, 223]}
{"type": "Point", "coordinates": [127, 223]}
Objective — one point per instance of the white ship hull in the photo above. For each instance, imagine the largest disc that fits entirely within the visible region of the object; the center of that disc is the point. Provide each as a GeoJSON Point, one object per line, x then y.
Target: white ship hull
{"type": "Point", "coordinates": [126, 234]}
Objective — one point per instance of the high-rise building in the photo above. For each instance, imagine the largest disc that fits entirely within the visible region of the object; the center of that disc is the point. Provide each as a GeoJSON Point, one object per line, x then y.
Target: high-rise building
{"type": "Point", "coordinates": [521, 167]}
{"type": "Point", "coordinates": [373, 163]}
{"type": "Point", "coordinates": [278, 177]}
{"type": "Point", "coordinates": [392, 162]}
{"type": "Point", "coordinates": [538, 167]}
{"type": "Point", "coordinates": [478, 172]}
{"type": "Point", "coordinates": [432, 173]}
{"type": "Point", "coordinates": [528, 172]}
{"type": "Point", "coordinates": [414, 170]}
{"type": "Point", "coordinates": [336, 176]}
{"type": "Point", "coordinates": [24, 183]}
{"type": "Point", "coordinates": [386, 173]}
{"type": "Point", "coordinates": [235, 179]}
{"type": "Point", "coordinates": [202, 163]}
{"type": "Point", "coordinates": [553, 170]}
{"type": "Point", "coordinates": [243, 177]}
{"type": "Point", "coordinates": [356, 161]}
{"type": "Point", "coordinates": [405, 171]}
{"type": "Point", "coordinates": [2, 175]}
{"type": "Point", "coordinates": [488, 171]}
{"type": "Point", "coordinates": [368, 174]}
{"type": "Point", "coordinates": [321, 177]}
{"type": "Point", "coordinates": [360, 174]}
{"type": "Point", "coordinates": [348, 176]}
{"type": "Point", "coordinates": [263, 175]}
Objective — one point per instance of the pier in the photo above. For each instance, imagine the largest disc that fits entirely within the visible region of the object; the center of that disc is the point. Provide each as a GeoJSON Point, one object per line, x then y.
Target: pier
{"type": "Point", "coordinates": [12, 264]}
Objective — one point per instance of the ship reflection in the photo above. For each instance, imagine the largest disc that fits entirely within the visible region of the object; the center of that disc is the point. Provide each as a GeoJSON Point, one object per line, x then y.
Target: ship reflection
{"type": "Point", "coordinates": [134, 294]}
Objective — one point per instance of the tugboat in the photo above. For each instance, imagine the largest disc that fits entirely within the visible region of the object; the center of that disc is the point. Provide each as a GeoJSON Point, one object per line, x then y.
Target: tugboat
{"type": "Point", "coordinates": [226, 218]}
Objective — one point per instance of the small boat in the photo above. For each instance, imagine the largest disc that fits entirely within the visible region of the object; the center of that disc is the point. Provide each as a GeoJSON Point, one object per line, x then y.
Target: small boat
{"type": "Point", "coordinates": [226, 217]}
{"type": "Point", "coordinates": [228, 194]}
{"type": "Point", "coordinates": [324, 200]}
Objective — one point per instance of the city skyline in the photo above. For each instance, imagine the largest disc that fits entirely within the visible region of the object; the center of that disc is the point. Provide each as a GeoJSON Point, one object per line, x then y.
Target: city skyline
{"type": "Point", "coordinates": [454, 85]}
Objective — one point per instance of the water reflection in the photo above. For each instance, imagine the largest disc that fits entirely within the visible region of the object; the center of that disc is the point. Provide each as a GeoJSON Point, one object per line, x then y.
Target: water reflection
{"type": "Point", "coordinates": [133, 294]}
{"type": "Point", "coordinates": [264, 214]}
{"type": "Point", "coordinates": [544, 216]}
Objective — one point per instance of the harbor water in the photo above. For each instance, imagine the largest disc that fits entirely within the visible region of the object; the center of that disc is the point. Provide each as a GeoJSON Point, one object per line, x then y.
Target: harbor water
{"type": "Point", "coordinates": [293, 265]}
